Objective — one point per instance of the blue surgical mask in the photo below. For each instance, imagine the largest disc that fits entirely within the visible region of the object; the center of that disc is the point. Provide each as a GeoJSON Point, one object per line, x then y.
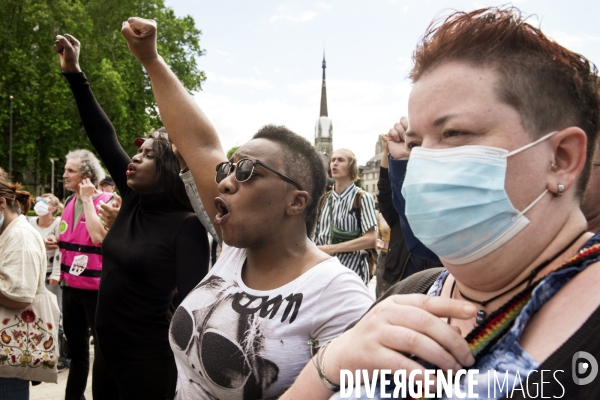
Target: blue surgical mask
{"type": "Point", "coordinates": [456, 204]}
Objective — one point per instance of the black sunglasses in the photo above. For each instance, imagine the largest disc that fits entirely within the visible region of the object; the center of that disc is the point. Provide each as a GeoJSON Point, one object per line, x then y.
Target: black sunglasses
{"type": "Point", "coordinates": [244, 169]}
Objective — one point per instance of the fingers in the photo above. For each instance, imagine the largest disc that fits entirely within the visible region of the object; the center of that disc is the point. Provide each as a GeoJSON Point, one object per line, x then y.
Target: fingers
{"type": "Point", "coordinates": [61, 44]}
{"type": "Point", "coordinates": [127, 32]}
{"type": "Point", "coordinates": [404, 122]}
{"type": "Point", "coordinates": [409, 341]}
{"type": "Point", "coordinates": [138, 28]}
{"type": "Point", "coordinates": [438, 306]}
{"type": "Point", "coordinates": [394, 136]}
{"type": "Point", "coordinates": [423, 333]}
{"type": "Point", "coordinates": [72, 40]}
{"type": "Point", "coordinates": [104, 207]}
{"type": "Point", "coordinates": [141, 26]}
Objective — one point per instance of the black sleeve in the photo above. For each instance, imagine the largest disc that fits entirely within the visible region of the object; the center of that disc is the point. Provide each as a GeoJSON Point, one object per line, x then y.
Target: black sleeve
{"type": "Point", "coordinates": [100, 130]}
{"type": "Point", "coordinates": [191, 255]}
{"type": "Point", "coordinates": [384, 197]}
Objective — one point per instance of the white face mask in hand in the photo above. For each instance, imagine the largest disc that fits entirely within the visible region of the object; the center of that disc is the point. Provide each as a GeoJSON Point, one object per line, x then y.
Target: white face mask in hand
{"type": "Point", "coordinates": [456, 204]}
{"type": "Point", "coordinates": [41, 208]}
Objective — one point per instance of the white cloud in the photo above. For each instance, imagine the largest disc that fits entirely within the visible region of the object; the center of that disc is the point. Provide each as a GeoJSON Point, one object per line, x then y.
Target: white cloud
{"type": "Point", "coordinates": [259, 84]}
{"type": "Point", "coordinates": [573, 41]}
{"type": "Point", "coordinates": [256, 70]}
{"type": "Point", "coordinates": [324, 5]}
{"type": "Point", "coordinates": [360, 111]}
{"type": "Point", "coordinates": [222, 53]}
{"type": "Point", "coordinates": [302, 17]}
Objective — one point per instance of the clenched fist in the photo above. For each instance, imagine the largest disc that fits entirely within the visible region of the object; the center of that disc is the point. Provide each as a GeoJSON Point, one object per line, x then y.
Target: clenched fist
{"type": "Point", "coordinates": [67, 48]}
{"type": "Point", "coordinates": [396, 142]}
{"type": "Point", "coordinates": [140, 35]}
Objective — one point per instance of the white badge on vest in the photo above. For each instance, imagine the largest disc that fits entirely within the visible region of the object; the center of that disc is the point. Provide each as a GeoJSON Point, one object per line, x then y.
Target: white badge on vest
{"type": "Point", "coordinates": [79, 265]}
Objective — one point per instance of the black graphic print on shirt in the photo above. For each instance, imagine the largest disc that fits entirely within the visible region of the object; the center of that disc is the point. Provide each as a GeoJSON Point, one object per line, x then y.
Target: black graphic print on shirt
{"type": "Point", "coordinates": [225, 340]}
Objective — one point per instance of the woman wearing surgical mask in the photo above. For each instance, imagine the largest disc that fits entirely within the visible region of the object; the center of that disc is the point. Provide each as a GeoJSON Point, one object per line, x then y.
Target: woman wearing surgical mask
{"type": "Point", "coordinates": [502, 123]}
{"type": "Point", "coordinates": [47, 224]}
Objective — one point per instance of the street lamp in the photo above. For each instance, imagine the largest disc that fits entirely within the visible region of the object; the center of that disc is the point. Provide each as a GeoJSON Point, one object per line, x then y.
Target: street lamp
{"type": "Point", "coordinates": [52, 187]}
{"type": "Point", "coordinates": [10, 143]}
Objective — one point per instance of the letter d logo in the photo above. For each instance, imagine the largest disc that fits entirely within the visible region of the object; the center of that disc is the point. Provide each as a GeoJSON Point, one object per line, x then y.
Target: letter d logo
{"type": "Point", "coordinates": [580, 367]}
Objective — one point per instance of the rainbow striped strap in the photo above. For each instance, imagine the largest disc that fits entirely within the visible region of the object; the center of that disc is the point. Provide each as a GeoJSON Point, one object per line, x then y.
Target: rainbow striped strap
{"type": "Point", "coordinates": [498, 323]}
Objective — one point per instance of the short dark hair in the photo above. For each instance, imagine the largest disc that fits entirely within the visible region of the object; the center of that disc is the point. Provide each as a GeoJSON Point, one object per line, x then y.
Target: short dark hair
{"type": "Point", "coordinates": [299, 157]}
{"type": "Point", "coordinates": [167, 169]}
{"type": "Point", "coordinates": [551, 87]}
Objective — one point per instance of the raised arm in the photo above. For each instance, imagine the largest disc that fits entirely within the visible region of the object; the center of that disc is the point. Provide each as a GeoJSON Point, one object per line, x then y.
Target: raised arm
{"type": "Point", "coordinates": [92, 220]}
{"type": "Point", "coordinates": [188, 127]}
{"type": "Point", "coordinates": [98, 127]}
{"type": "Point", "coordinates": [384, 196]}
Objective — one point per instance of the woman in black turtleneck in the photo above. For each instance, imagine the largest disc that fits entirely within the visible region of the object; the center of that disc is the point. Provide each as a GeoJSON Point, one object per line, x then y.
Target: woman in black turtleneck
{"type": "Point", "coordinates": [156, 247]}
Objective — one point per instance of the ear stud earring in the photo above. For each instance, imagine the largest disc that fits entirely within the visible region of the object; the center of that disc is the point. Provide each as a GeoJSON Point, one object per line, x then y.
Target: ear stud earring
{"type": "Point", "coordinates": [561, 190]}
{"type": "Point", "coordinates": [553, 167]}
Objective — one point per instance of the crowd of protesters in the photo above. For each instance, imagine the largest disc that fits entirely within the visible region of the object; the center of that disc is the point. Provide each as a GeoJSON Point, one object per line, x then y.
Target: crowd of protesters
{"type": "Point", "coordinates": [489, 209]}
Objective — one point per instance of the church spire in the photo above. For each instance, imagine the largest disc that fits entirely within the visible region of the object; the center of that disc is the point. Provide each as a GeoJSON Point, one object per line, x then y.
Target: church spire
{"type": "Point", "coordinates": [323, 92]}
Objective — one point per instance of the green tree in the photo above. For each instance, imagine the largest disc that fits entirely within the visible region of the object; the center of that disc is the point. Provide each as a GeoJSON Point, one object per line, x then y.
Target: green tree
{"type": "Point", "coordinates": [45, 119]}
{"type": "Point", "coordinates": [231, 151]}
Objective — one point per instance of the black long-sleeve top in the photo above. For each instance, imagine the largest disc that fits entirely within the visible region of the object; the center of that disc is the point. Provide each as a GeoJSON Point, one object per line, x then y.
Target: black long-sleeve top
{"type": "Point", "coordinates": [399, 263]}
{"type": "Point", "coordinates": [153, 248]}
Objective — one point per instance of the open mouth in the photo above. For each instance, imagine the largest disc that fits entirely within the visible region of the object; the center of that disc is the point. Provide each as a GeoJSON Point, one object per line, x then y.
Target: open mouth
{"type": "Point", "coordinates": [130, 169]}
{"type": "Point", "coordinates": [222, 211]}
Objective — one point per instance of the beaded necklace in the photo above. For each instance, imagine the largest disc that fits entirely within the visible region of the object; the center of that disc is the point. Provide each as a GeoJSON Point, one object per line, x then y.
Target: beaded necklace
{"type": "Point", "coordinates": [498, 323]}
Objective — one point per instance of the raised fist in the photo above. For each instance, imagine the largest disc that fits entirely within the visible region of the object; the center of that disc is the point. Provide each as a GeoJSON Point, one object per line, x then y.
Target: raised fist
{"type": "Point", "coordinates": [140, 35]}
{"type": "Point", "coordinates": [67, 48]}
{"type": "Point", "coordinates": [395, 140]}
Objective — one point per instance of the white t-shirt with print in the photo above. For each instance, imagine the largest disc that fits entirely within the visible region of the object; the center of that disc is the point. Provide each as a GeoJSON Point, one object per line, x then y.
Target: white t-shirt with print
{"type": "Point", "coordinates": [233, 342]}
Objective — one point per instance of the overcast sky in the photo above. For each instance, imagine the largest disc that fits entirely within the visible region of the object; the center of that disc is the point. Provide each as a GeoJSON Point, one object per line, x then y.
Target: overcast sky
{"type": "Point", "coordinates": [263, 59]}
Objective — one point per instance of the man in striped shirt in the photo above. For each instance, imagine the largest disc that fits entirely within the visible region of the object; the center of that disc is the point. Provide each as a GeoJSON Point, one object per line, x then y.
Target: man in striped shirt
{"type": "Point", "coordinates": [338, 232]}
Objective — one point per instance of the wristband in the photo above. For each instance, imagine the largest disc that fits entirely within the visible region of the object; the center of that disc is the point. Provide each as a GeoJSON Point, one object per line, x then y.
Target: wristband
{"type": "Point", "coordinates": [320, 365]}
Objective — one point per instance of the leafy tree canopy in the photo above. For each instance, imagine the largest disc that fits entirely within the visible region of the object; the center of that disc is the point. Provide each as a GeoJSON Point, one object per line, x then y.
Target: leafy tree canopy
{"type": "Point", "coordinates": [231, 151]}
{"type": "Point", "coordinates": [45, 118]}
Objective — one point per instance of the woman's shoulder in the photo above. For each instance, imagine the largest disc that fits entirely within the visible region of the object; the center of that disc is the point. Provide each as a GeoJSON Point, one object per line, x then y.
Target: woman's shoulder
{"type": "Point", "coordinates": [573, 305]}
{"type": "Point", "coordinates": [22, 234]}
{"type": "Point", "coordinates": [33, 221]}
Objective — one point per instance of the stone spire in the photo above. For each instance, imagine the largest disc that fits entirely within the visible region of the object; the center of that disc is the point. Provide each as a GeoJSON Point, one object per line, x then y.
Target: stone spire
{"type": "Point", "coordinates": [323, 92]}
{"type": "Point", "coordinates": [324, 127]}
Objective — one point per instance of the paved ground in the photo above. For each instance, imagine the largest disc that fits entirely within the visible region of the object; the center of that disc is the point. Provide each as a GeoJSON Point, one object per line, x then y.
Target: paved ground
{"type": "Point", "coordinates": [51, 391]}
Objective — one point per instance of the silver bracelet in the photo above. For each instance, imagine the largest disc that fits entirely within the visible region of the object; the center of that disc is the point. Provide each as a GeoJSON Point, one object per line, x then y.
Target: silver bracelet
{"type": "Point", "coordinates": [320, 365]}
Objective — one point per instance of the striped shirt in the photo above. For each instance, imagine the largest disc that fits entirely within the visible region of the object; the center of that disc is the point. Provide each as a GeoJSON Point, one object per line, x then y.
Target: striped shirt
{"type": "Point", "coordinates": [339, 208]}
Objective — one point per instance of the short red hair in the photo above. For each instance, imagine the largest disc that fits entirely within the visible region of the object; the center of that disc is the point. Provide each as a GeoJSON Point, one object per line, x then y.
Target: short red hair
{"type": "Point", "coordinates": [551, 87]}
